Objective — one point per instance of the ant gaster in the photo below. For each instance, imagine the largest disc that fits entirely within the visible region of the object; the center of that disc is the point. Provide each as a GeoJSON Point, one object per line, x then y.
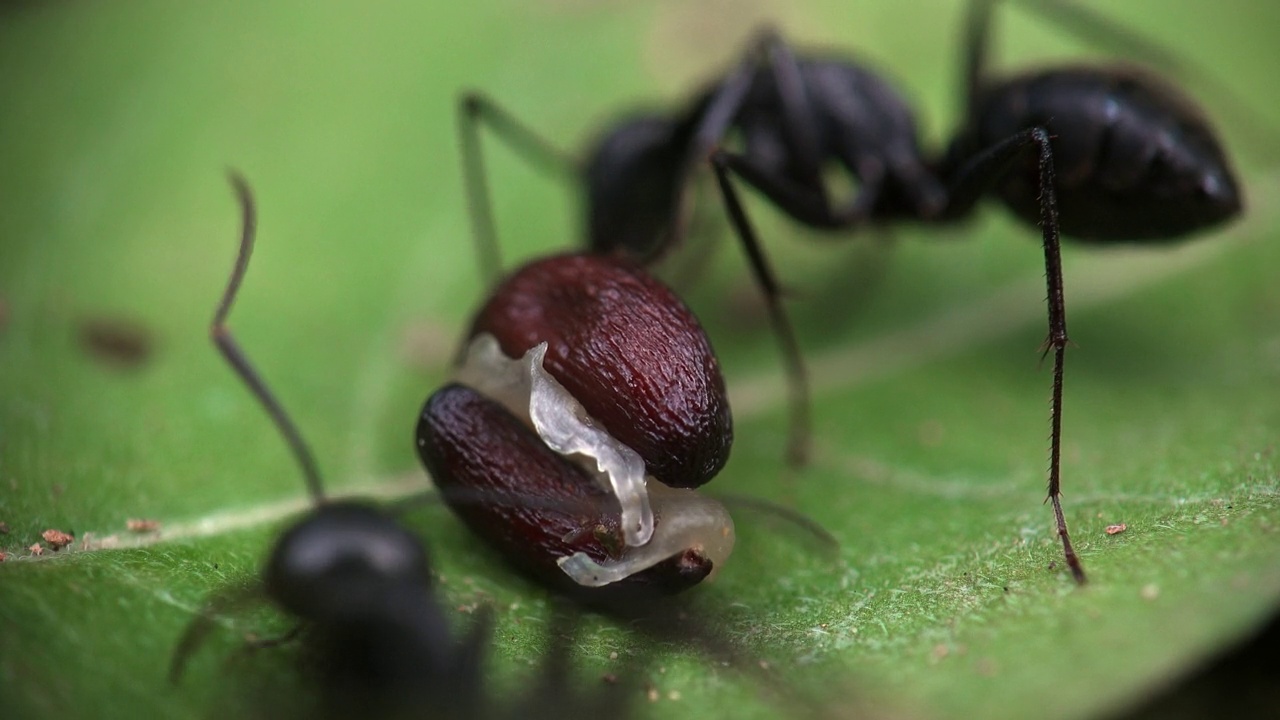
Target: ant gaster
{"type": "Point", "coordinates": [1104, 154]}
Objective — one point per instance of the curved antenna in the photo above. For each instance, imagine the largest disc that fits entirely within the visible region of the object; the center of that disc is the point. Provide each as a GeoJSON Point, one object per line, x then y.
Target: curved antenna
{"type": "Point", "coordinates": [230, 349]}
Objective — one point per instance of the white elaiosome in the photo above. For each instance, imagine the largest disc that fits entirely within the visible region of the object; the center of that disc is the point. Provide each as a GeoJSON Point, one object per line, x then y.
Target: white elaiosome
{"type": "Point", "coordinates": [528, 391]}
{"type": "Point", "coordinates": [686, 521]}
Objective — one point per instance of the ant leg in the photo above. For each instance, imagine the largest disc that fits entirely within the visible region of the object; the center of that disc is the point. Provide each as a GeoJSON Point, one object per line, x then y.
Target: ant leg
{"type": "Point", "coordinates": [977, 38]}
{"type": "Point", "coordinates": [801, 202]}
{"type": "Point", "coordinates": [797, 374]}
{"type": "Point", "coordinates": [473, 109]}
{"type": "Point", "coordinates": [802, 193]}
{"type": "Point", "coordinates": [198, 629]}
{"type": "Point", "coordinates": [971, 181]}
{"type": "Point", "coordinates": [230, 349]}
{"type": "Point", "coordinates": [253, 642]}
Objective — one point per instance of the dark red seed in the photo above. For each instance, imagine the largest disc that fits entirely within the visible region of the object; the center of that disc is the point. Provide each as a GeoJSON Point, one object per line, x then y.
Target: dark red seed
{"type": "Point", "coordinates": [629, 350]}
{"type": "Point", "coordinates": [532, 505]}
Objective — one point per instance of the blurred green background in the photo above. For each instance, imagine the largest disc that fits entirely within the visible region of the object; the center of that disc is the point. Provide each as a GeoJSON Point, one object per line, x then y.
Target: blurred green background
{"type": "Point", "coordinates": [947, 599]}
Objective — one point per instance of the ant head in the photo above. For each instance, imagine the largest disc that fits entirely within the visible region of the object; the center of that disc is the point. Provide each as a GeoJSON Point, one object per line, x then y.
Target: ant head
{"type": "Point", "coordinates": [634, 179]}
{"type": "Point", "coordinates": [628, 350]}
{"type": "Point", "coordinates": [340, 559]}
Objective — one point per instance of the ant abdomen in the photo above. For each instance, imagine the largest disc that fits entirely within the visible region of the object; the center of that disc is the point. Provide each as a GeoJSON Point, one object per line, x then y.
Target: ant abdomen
{"type": "Point", "coordinates": [1135, 159]}
{"type": "Point", "coordinates": [548, 516]}
{"type": "Point", "coordinates": [627, 349]}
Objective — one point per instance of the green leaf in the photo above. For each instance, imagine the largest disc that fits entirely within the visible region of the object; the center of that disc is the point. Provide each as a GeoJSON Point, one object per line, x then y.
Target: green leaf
{"type": "Point", "coordinates": [947, 597]}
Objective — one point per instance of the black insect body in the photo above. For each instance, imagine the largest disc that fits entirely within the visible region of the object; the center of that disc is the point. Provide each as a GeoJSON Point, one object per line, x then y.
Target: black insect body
{"type": "Point", "coordinates": [1134, 160]}
{"type": "Point", "coordinates": [1102, 154]}
{"type": "Point", "coordinates": [357, 582]}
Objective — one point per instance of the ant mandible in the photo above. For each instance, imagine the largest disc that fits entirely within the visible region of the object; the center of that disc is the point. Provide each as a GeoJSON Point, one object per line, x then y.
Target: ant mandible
{"type": "Point", "coordinates": [1099, 153]}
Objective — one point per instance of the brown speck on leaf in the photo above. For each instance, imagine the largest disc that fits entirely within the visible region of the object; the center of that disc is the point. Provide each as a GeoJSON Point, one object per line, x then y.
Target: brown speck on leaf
{"type": "Point", "coordinates": [1117, 528]}
{"type": "Point", "coordinates": [609, 679]}
{"type": "Point", "coordinates": [141, 526]}
{"type": "Point", "coordinates": [36, 549]}
{"type": "Point", "coordinates": [4, 528]}
{"type": "Point", "coordinates": [57, 539]}
{"type": "Point", "coordinates": [940, 651]}
{"type": "Point", "coordinates": [986, 667]}
{"type": "Point", "coordinates": [119, 342]}
{"type": "Point", "coordinates": [651, 693]}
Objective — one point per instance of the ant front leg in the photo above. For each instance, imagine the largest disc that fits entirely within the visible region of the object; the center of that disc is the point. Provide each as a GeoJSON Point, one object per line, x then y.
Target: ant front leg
{"type": "Point", "coordinates": [970, 182]}
{"type": "Point", "coordinates": [797, 374]}
{"type": "Point", "coordinates": [475, 109]}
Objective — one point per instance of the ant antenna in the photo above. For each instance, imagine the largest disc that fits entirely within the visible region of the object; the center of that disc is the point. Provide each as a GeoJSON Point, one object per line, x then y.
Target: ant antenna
{"type": "Point", "coordinates": [230, 349]}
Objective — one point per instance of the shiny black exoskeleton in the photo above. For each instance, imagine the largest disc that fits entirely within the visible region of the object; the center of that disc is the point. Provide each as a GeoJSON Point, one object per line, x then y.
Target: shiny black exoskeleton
{"type": "Point", "coordinates": [1105, 154]}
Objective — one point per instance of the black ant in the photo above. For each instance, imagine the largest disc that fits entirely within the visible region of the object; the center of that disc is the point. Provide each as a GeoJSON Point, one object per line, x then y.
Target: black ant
{"type": "Point", "coordinates": [1102, 154]}
{"type": "Point", "coordinates": [358, 583]}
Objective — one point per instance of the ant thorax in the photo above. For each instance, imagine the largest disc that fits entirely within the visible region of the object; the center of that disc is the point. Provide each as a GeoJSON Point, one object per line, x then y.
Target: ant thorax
{"type": "Point", "coordinates": [658, 521]}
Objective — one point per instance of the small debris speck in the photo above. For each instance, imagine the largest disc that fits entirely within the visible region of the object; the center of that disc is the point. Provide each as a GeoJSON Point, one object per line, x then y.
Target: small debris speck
{"type": "Point", "coordinates": [36, 549]}
{"type": "Point", "coordinates": [652, 694]}
{"type": "Point", "coordinates": [940, 651]}
{"type": "Point", "coordinates": [1150, 591]}
{"type": "Point", "coordinates": [4, 528]}
{"type": "Point", "coordinates": [609, 679]}
{"type": "Point", "coordinates": [613, 655]}
{"type": "Point", "coordinates": [1117, 528]}
{"type": "Point", "coordinates": [57, 539]}
{"type": "Point", "coordinates": [673, 695]}
{"type": "Point", "coordinates": [764, 664]}
{"type": "Point", "coordinates": [141, 526]}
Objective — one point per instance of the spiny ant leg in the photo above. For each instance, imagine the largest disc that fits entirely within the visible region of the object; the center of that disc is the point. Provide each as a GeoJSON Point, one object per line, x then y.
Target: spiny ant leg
{"type": "Point", "coordinates": [230, 349]}
{"type": "Point", "coordinates": [473, 110]}
{"type": "Point", "coordinates": [797, 373]}
{"type": "Point", "coordinates": [979, 173]}
{"type": "Point", "coordinates": [1057, 338]}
